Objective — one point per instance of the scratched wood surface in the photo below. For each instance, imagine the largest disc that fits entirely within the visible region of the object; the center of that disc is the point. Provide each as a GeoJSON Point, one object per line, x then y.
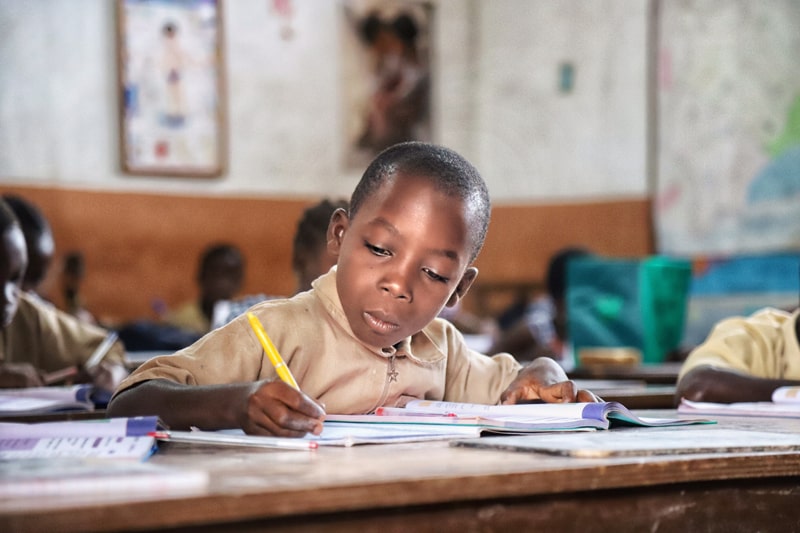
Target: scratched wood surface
{"type": "Point", "coordinates": [367, 485]}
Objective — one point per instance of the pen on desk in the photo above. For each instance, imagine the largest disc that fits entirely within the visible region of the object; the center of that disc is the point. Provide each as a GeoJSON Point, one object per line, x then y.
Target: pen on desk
{"type": "Point", "coordinates": [60, 376]}
{"type": "Point", "coordinates": [101, 351]}
{"type": "Point", "coordinates": [272, 353]}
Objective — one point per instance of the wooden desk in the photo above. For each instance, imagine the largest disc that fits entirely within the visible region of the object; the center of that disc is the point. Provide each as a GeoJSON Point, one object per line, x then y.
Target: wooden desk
{"type": "Point", "coordinates": [664, 374]}
{"type": "Point", "coordinates": [632, 394]}
{"type": "Point", "coordinates": [433, 487]}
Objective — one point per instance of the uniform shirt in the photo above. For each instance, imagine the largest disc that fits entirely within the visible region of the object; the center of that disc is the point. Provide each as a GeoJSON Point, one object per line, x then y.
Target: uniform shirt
{"type": "Point", "coordinates": [50, 339]}
{"type": "Point", "coordinates": [331, 365]}
{"type": "Point", "coordinates": [189, 317]}
{"type": "Point", "coordinates": [763, 345]}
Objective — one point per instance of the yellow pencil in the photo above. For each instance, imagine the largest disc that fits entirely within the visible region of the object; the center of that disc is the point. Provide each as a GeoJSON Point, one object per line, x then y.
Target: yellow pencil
{"type": "Point", "coordinates": [272, 353]}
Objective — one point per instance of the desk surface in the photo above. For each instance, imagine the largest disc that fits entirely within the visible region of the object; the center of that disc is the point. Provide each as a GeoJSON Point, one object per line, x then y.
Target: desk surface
{"type": "Point", "coordinates": [664, 373]}
{"type": "Point", "coordinates": [432, 486]}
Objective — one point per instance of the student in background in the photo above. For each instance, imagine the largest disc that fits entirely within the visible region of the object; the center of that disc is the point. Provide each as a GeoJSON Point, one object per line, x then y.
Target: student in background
{"type": "Point", "coordinates": [38, 241]}
{"type": "Point", "coordinates": [542, 330]}
{"type": "Point", "coordinates": [310, 259]}
{"type": "Point", "coordinates": [367, 333]}
{"type": "Point", "coordinates": [744, 359]}
{"type": "Point", "coordinates": [219, 277]}
{"type": "Point", "coordinates": [310, 255]}
{"type": "Point", "coordinates": [71, 279]}
{"type": "Point", "coordinates": [37, 339]}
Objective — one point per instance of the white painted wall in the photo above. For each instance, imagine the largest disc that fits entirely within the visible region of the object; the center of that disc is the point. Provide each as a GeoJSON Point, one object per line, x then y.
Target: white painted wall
{"type": "Point", "coordinates": [496, 98]}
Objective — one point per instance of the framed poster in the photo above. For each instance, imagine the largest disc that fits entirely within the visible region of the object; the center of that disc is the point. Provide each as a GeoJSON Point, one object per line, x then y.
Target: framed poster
{"type": "Point", "coordinates": [171, 84]}
{"type": "Point", "coordinates": [387, 76]}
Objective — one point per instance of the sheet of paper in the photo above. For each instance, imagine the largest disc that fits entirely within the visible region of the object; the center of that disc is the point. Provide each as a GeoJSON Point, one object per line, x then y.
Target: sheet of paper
{"type": "Point", "coordinates": [643, 442]}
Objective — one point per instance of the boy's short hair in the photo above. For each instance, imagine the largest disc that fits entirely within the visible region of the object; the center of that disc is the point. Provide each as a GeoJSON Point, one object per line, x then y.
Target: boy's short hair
{"type": "Point", "coordinates": [447, 170]}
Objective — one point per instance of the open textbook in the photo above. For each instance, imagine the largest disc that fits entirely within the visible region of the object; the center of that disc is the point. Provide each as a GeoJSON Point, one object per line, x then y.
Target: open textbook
{"type": "Point", "coordinates": [425, 420]}
{"type": "Point", "coordinates": [523, 418]}
{"type": "Point", "coordinates": [785, 404]}
{"type": "Point", "coordinates": [39, 400]}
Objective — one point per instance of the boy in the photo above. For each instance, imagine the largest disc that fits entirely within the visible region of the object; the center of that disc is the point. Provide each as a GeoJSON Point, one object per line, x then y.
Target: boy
{"type": "Point", "coordinates": [36, 338]}
{"type": "Point", "coordinates": [366, 335]}
{"type": "Point", "coordinates": [744, 359]}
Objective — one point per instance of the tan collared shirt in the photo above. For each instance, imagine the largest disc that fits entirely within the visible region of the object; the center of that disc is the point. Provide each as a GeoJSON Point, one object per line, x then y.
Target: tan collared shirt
{"type": "Point", "coordinates": [762, 345]}
{"type": "Point", "coordinates": [50, 339]}
{"type": "Point", "coordinates": [331, 365]}
{"type": "Point", "coordinates": [189, 317]}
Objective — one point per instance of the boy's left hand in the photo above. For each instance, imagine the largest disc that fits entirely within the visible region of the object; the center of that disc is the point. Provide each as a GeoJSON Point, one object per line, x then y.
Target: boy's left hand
{"type": "Point", "coordinates": [545, 380]}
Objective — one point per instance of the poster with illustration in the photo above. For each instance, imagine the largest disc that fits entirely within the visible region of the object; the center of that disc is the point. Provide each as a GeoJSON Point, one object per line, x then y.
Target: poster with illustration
{"type": "Point", "coordinates": [170, 72]}
{"type": "Point", "coordinates": [387, 77]}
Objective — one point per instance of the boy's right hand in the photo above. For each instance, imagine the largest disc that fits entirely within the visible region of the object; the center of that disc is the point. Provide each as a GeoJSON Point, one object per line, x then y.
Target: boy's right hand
{"type": "Point", "coordinates": [275, 408]}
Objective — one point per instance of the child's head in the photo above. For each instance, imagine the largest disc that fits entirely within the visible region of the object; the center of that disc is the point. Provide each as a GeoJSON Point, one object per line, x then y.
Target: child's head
{"type": "Point", "coordinates": [38, 240]}
{"type": "Point", "coordinates": [310, 256]}
{"type": "Point", "coordinates": [221, 272]}
{"type": "Point", "coordinates": [13, 260]}
{"type": "Point", "coordinates": [417, 220]}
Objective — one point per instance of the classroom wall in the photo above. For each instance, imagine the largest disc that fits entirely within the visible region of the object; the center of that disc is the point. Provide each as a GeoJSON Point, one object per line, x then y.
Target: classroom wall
{"type": "Point", "coordinates": [563, 167]}
{"type": "Point", "coordinates": [142, 249]}
{"type": "Point", "coordinates": [497, 69]}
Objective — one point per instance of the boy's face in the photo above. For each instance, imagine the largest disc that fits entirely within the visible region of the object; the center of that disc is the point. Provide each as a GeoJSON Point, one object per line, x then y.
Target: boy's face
{"type": "Point", "coordinates": [13, 261]}
{"type": "Point", "coordinates": [402, 257]}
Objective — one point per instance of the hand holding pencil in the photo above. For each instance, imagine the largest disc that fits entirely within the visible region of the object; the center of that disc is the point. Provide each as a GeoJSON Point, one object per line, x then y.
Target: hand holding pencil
{"type": "Point", "coordinates": [273, 408]}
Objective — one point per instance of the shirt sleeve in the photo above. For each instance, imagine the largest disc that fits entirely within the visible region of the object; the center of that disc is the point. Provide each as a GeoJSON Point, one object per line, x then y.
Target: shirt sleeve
{"type": "Point", "coordinates": [753, 345]}
{"type": "Point", "coordinates": [229, 354]}
{"type": "Point", "coordinates": [473, 377]}
{"type": "Point", "coordinates": [64, 340]}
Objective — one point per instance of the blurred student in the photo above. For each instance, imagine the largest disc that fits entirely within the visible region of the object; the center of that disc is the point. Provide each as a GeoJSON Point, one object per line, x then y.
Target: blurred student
{"type": "Point", "coordinates": [744, 359]}
{"type": "Point", "coordinates": [39, 241]}
{"type": "Point", "coordinates": [36, 339]}
{"type": "Point", "coordinates": [367, 333]}
{"type": "Point", "coordinates": [310, 259]}
{"type": "Point", "coordinates": [310, 255]}
{"type": "Point", "coordinates": [542, 331]}
{"type": "Point", "coordinates": [219, 277]}
{"type": "Point", "coordinates": [72, 278]}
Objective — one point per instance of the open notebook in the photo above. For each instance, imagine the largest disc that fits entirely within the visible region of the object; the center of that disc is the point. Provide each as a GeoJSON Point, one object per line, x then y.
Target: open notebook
{"type": "Point", "coordinates": [523, 418]}
{"type": "Point", "coordinates": [424, 420]}
{"type": "Point", "coordinates": [37, 400]}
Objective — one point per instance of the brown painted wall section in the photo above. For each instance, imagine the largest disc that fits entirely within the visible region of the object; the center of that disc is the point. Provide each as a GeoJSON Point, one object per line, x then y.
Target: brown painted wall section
{"type": "Point", "coordinates": [140, 248]}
